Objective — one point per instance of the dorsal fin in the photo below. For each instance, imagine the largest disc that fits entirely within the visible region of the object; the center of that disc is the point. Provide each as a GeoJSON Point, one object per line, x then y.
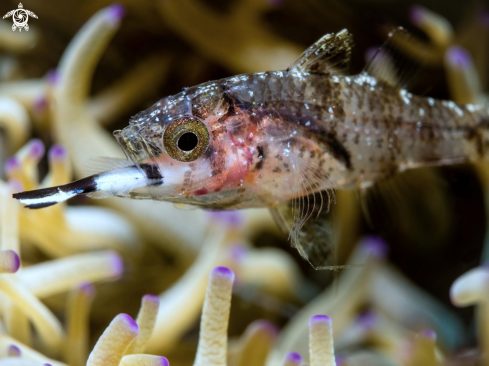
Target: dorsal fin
{"type": "Point", "coordinates": [390, 65]}
{"type": "Point", "coordinates": [328, 55]}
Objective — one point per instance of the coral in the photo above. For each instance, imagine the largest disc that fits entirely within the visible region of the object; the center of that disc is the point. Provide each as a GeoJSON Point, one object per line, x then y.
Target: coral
{"type": "Point", "coordinates": [237, 40]}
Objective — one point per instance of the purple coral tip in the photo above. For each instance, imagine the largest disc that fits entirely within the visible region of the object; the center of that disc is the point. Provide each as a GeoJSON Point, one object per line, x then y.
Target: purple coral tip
{"type": "Point", "coordinates": [164, 361]}
{"type": "Point", "coordinates": [428, 333]}
{"type": "Point", "coordinates": [222, 272]}
{"type": "Point", "coordinates": [293, 357]}
{"type": "Point", "coordinates": [375, 246]}
{"type": "Point", "coordinates": [458, 56]}
{"type": "Point", "coordinates": [117, 11]}
{"type": "Point", "coordinates": [15, 186]}
{"type": "Point", "coordinates": [57, 152]}
{"type": "Point", "coordinates": [228, 218]}
{"type": "Point", "coordinates": [238, 253]}
{"type": "Point", "coordinates": [14, 260]}
{"type": "Point", "coordinates": [117, 264]}
{"type": "Point", "coordinates": [11, 164]}
{"type": "Point", "coordinates": [52, 77]}
{"type": "Point", "coordinates": [416, 14]}
{"type": "Point", "coordinates": [127, 320]}
{"type": "Point", "coordinates": [340, 360]}
{"type": "Point", "coordinates": [151, 298]}
{"type": "Point", "coordinates": [36, 148]}
{"type": "Point", "coordinates": [266, 326]}
{"type": "Point", "coordinates": [40, 104]}
{"type": "Point", "coordinates": [14, 351]}
{"type": "Point", "coordinates": [319, 319]}
{"type": "Point", "coordinates": [87, 288]}
{"type": "Point", "coordinates": [367, 320]}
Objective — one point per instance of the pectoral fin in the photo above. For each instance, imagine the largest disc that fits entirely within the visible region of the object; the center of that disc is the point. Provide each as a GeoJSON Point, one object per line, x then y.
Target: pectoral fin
{"type": "Point", "coordinates": [310, 232]}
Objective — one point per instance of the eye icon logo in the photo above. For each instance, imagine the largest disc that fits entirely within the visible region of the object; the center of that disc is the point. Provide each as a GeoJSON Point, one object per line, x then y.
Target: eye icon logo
{"type": "Point", "coordinates": [20, 17]}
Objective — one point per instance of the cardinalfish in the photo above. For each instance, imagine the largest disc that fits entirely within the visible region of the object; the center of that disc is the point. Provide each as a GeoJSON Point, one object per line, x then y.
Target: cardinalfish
{"type": "Point", "coordinates": [283, 140]}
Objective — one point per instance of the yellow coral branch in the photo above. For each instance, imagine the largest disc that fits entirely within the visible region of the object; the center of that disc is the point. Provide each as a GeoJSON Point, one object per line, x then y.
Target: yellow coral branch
{"type": "Point", "coordinates": [146, 320]}
{"type": "Point", "coordinates": [60, 275]}
{"type": "Point", "coordinates": [77, 319]}
{"type": "Point", "coordinates": [238, 41]}
{"type": "Point", "coordinates": [27, 353]}
{"type": "Point", "coordinates": [181, 304]}
{"type": "Point", "coordinates": [112, 344]}
{"type": "Point", "coordinates": [255, 343]}
{"type": "Point", "coordinates": [46, 323]}
{"type": "Point", "coordinates": [16, 322]}
{"type": "Point", "coordinates": [144, 360]}
{"type": "Point", "coordinates": [321, 351]}
{"type": "Point", "coordinates": [15, 121]}
{"type": "Point", "coordinates": [131, 90]}
{"type": "Point", "coordinates": [17, 41]}
{"type": "Point", "coordinates": [212, 347]}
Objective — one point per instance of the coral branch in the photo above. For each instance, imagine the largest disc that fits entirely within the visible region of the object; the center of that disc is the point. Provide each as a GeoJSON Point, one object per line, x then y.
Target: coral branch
{"type": "Point", "coordinates": [181, 304]}
{"type": "Point", "coordinates": [438, 29]}
{"type": "Point", "coordinates": [131, 90]}
{"type": "Point", "coordinates": [112, 344]}
{"type": "Point", "coordinates": [60, 275]}
{"type": "Point", "coordinates": [321, 351]}
{"type": "Point", "coordinates": [212, 347]}
{"type": "Point", "coordinates": [146, 320]}
{"type": "Point", "coordinates": [144, 360]}
{"type": "Point", "coordinates": [17, 41]}
{"type": "Point", "coordinates": [15, 120]}
{"type": "Point", "coordinates": [46, 323]}
{"type": "Point", "coordinates": [255, 343]}
{"type": "Point", "coordinates": [9, 261]}
{"type": "Point", "coordinates": [77, 318]}
{"type": "Point", "coordinates": [237, 41]}
{"type": "Point", "coordinates": [462, 77]}
{"type": "Point", "coordinates": [292, 359]}
{"type": "Point", "coordinates": [424, 350]}
{"type": "Point", "coordinates": [27, 353]}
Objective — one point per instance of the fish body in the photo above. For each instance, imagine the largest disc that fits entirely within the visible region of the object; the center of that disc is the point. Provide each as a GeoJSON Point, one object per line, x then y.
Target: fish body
{"type": "Point", "coordinates": [277, 135]}
{"type": "Point", "coordinates": [283, 139]}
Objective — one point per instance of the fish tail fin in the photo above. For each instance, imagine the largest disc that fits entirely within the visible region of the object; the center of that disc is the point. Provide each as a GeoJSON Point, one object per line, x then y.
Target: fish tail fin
{"type": "Point", "coordinates": [45, 197]}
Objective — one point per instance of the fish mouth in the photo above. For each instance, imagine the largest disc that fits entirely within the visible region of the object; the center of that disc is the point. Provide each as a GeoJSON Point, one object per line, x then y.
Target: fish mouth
{"type": "Point", "coordinates": [139, 151]}
{"type": "Point", "coordinates": [143, 156]}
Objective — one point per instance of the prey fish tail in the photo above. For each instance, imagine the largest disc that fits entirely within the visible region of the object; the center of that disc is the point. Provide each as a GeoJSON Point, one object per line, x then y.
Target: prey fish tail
{"type": "Point", "coordinates": [117, 182]}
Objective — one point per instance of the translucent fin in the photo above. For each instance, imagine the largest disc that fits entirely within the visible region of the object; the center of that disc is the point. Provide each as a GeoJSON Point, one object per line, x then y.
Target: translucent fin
{"type": "Point", "coordinates": [314, 237]}
{"type": "Point", "coordinates": [415, 205]}
{"type": "Point", "coordinates": [390, 65]}
{"type": "Point", "coordinates": [104, 164]}
{"type": "Point", "coordinates": [330, 54]}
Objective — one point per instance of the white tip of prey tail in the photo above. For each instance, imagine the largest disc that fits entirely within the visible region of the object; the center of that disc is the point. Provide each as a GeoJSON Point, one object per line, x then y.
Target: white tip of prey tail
{"type": "Point", "coordinates": [112, 183]}
{"type": "Point", "coordinates": [46, 197]}
{"type": "Point", "coordinates": [36, 199]}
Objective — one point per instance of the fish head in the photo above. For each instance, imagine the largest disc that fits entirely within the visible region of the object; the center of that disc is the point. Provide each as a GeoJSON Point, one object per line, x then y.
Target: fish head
{"type": "Point", "coordinates": [200, 146]}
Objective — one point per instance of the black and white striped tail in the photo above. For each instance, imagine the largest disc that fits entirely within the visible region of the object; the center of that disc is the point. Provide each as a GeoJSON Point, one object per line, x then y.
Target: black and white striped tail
{"type": "Point", "coordinates": [46, 197]}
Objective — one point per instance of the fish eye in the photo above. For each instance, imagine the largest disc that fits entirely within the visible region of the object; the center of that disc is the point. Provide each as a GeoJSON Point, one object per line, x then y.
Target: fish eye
{"type": "Point", "coordinates": [186, 139]}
